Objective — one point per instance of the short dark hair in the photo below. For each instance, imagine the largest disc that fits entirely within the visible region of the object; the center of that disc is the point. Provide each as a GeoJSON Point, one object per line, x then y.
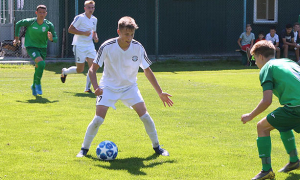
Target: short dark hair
{"type": "Point", "coordinates": [288, 26]}
{"type": "Point", "coordinates": [41, 6]}
{"type": "Point", "coordinates": [261, 32]}
{"type": "Point", "coordinates": [273, 27]}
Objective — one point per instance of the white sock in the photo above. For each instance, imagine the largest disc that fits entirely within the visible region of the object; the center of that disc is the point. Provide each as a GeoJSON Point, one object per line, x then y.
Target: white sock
{"type": "Point", "coordinates": [91, 131]}
{"type": "Point", "coordinates": [150, 129]}
{"type": "Point", "coordinates": [70, 70]}
{"type": "Point", "coordinates": [88, 82]}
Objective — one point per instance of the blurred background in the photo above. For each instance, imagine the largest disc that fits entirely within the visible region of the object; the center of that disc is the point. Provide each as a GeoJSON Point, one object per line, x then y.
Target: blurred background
{"type": "Point", "coordinates": [166, 27]}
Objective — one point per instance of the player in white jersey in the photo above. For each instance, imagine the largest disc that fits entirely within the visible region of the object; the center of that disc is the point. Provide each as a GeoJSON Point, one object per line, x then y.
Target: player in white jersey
{"type": "Point", "coordinates": [84, 29]}
{"type": "Point", "coordinates": [274, 38]}
{"type": "Point", "coordinates": [122, 57]}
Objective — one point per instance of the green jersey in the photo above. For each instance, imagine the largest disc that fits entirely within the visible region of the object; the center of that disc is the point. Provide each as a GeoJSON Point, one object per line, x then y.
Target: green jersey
{"type": "Point", "coordinates": [283, 77]}
{"type": "Point", "coordinates": [36, 35]}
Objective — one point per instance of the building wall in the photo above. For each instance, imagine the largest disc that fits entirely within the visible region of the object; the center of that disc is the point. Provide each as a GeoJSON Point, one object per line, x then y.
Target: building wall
{"type": "Point", "coordinates": [185, 26]}
{"type": "Point", "coordinates": [108, 12]}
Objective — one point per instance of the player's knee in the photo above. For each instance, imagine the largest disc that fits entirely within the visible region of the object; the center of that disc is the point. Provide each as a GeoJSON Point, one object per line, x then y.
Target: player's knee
{"type": "Point", "coordinates": [259, 125]}
{"type": "Point", "coordinates": [262, 129]}
{"type": "Point", "coordinates": [97, 121]}
{"type": "Point", "coordinates": [79, 70]}
{"type": "Point", "coordinates": [41, 64]}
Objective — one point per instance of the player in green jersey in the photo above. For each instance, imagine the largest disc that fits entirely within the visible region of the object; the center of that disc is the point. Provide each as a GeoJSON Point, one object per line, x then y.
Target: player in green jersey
{"type": "Point", "coordinates": [39, 30]}
{"type": "Point", "coordinates": [280, 77]}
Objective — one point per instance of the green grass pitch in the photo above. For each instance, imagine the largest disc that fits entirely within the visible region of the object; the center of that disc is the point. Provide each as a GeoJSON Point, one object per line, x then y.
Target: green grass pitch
{"type": "Point", "coordinates": [40, 136]}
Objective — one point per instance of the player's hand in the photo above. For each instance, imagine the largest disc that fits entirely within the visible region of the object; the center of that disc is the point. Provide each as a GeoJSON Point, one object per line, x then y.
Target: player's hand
{"type": "Point", "coordinates": [95, 37]}
{"type": "Point", "coordinates": [98, 91]}
{"type": "Point", "coordinates": [165, 99]}
{"type": "Point", "coordinates": [16, 42]}
{"type": "Point", "coordinates": [245, 118]}
{"type": "Point", "coordinates": [87, 33]}
{"type": "Point", "coordinates": [50, 36]}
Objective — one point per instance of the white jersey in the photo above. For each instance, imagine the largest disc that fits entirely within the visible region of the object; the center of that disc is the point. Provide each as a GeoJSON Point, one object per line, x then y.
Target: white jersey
{"type": "Point", "coordinates": [121, 67]}
{"type": "Point", "coordinates": [82, 23]}
{"type": "Point", "coordinates": [295, 35]}
{"type": "Point", "coordinates": [273, 39]}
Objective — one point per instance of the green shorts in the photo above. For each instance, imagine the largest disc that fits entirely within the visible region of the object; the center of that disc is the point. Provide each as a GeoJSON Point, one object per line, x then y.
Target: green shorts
{"type": "Point", "coordinates": [34, 52]}
{"type": "Point", "coordinates": [285, 119]}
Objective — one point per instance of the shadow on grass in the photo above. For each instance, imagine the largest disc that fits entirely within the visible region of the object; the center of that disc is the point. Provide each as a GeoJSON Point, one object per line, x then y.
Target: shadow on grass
{"type": "Point", "coordinates": [170, 66]}
{"type": "Point", "coordinates": [293, 176]}
{"type": "Point", "coordinates": [83, 94]}
{"type": "Point", "coordinates": [176, 65]}
{"type": "Point", "coordinates": [133, 165]}
{"type": "Point", "coordinates": [38, 99]}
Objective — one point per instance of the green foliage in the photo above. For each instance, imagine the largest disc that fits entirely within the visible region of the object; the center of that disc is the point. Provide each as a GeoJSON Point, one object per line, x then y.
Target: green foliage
{"type": "Point", "coordinates": [40, 136]}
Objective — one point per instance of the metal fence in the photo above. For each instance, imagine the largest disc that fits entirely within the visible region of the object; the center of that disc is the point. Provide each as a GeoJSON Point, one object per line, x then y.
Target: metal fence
{"type": "Point", "coordinates": [12, 11]}
{"type": "Point", "coordinates": [167, 27]}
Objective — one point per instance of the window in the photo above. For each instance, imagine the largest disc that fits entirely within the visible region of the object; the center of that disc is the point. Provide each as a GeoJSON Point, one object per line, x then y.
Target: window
{"type": "Point", "coordinates": [265, 11]}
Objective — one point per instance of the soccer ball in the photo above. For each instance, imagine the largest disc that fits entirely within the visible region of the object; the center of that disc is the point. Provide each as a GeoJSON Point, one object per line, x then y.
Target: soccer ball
{"type": "Point", "coordinates": [107, 150]}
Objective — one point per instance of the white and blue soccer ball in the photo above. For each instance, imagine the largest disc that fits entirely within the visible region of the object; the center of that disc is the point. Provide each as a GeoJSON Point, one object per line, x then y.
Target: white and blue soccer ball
{"type": "Point", "coordinates": [107, 150]}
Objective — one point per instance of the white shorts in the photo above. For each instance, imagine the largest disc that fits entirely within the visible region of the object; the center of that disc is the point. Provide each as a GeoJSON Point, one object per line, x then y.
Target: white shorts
{"type": "Point", "coordinates": [83, 52]}
{"type": "Point", "coordinates": [129, 97]}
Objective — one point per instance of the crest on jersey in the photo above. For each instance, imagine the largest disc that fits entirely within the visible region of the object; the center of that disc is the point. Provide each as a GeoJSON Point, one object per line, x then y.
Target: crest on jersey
{"type": "Point", "coordinates": [43, 29]}
{"type": "Point", "coordinates": [33, 54]}
{"type": "Point", "coordinates": [134, 58]}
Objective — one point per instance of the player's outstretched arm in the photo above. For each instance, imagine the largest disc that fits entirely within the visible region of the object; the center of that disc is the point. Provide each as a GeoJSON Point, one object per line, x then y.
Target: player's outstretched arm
{"type": "Point", "coordinates": [261, 107]}
{"type": "Point", "coordinates": [165, 97]}
{"type": "Point", "coordinates": [73, 30]}
{"type": "Point", "coordinates": [52, 36]}
{"type": "Point", "coordinates": [92, 73]}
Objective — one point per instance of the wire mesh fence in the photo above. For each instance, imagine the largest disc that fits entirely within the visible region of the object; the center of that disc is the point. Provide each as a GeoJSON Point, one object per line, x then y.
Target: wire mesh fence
{"type": "Point", "coordinates": [166, 27]}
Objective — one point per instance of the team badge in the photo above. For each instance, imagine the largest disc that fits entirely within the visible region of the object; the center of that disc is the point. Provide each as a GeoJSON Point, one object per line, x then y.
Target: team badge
{"type": "Point", "coordinates": [78, 59]}
{"type": "Point", "coordinates": [43, 29]}
{"type": "Point", "coordinates": [134, 58]}
{"type": "Point", "coordinates": [33, 54]}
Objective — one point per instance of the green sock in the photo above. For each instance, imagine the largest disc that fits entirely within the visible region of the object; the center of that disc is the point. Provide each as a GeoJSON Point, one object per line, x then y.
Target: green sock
{"type": "Point", "coordinates": [288, 140]}
{"type": "Point", "coordinates": [39, 72]}
{"type": "Point", "coordinates": [264, 150]}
